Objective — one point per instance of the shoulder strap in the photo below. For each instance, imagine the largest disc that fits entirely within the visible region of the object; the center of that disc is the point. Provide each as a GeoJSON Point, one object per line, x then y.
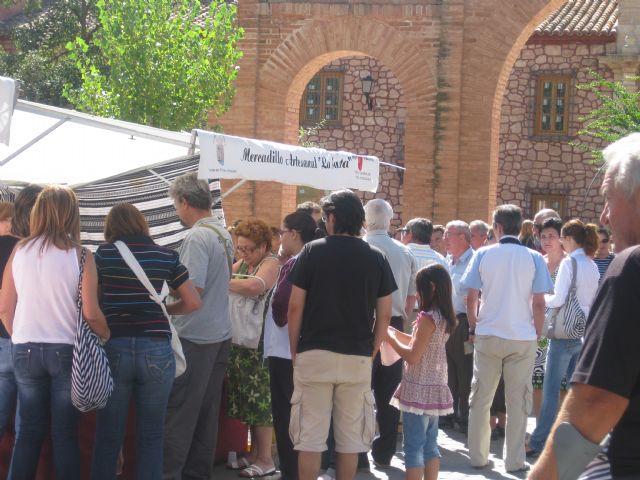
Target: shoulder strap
{"type": "Point", "coordinates": [133, 264]}
{"type": "Point", "coordinates": [82, 254]}
{"type": "Point", "coordinates": [224, 241]}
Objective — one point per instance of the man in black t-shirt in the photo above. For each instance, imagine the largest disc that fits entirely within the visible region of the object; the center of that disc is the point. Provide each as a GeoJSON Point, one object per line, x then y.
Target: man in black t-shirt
{"type": "Point", "coordinates": [605, 394]}
{"type": "Point", "coordinates": [338, 283]}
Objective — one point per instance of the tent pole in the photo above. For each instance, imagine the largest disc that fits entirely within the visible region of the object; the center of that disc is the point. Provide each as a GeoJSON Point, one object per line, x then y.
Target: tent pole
{"type": "Point", "coordinates": [157, 175]}
{"type": "Point", "coordinates": [192, 142]}
{"type": "Point", "coordinates": [33, 141]}
{"type": "Point", "coordinates": [232, 189]}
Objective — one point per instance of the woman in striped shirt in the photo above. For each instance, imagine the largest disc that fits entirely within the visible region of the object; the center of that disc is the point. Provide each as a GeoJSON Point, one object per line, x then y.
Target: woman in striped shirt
{"type": "Point", "coordinates": [140, 354]}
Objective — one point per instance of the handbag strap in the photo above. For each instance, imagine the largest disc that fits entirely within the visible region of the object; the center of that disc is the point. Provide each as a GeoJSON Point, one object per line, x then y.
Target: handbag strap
{"type": "Point", "coordinates": [135, 267]}
{"type": "Point", "coordinates": [574, 274]}
{"type": "Point", "coordinates": [224, 241]}
{"type": "Point", "coordinates": [82, 261]}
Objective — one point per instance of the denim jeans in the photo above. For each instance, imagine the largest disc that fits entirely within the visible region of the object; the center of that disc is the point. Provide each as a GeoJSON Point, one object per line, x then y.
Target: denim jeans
{"type": "Point", "coordinates": [420, 439]}
{"type": "Point", "coordinates": [43, 375]}
{"type": "Point", "coordinates": [561, 361]}
{"type": "Point", "coordinates": [142, 368]}
{"type": "Point", "coordinates": [8, 388]}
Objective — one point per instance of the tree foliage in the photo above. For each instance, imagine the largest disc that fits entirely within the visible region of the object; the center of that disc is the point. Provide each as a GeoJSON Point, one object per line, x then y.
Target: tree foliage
{"type": "Point", "coordinates": [40, 59]}
{"type": "Point", "coordinates": [155, 62]}
{"type": "Point", "coordinates": [617, 116]}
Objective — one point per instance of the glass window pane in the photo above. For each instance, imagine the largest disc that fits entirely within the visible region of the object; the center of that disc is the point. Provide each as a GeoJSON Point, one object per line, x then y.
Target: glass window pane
{"type": "Point", "coordinates": [314, 84]}
{"type": "Point", "coordinates": [546, 105]}
{"type": "Point", "coordinates": [547, 88]}
{"type": "Point", "coordinates": [313, 98]}
{"type": "Point", "coordinates": [560, 106]}
{"type": "Point", "coordinates": [559, 123]}
{"type": "Point", "coordinates": [546, 122]}
{"type": "Point", "coordinates": [312, 114]}
{"type": "Point", "coordinates": [561, 88]}
{"type": "Point", "coordinates": [332, 84]}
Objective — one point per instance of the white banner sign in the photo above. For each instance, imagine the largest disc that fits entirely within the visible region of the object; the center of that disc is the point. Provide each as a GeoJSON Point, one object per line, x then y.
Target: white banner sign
{"type": "Point", "coordinates": [225, 156]}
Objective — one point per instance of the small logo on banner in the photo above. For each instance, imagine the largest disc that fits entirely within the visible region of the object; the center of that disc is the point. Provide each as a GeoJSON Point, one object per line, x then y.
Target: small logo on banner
{"type": "Point", "coordinates": [360, 160]}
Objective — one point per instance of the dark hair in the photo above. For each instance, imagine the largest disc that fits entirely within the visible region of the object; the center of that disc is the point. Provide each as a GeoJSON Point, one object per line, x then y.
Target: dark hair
{"type": "Point", "coordinates": [124, 220]}
{"type": "Point", "coordinates": [438, 228]}
{"type": "Point", "coordinates": [584, 235]}
{"type": "Point", "coordinates": [421, 230]}
{"type": "Point", "coordinates": [604, 231]}
{"type": "Point", "coordinates": [25, 200]}
{"type": "Point", "coordinates": [554, 223]}
{"type": "Point", "coordinates": [347, 209]}
{"type": "Point", "coordinates": [509, 217]}
{"type": "Point", "coordinates": [302, 223]}
{"type": "Point", "coordinates": [434, 285]}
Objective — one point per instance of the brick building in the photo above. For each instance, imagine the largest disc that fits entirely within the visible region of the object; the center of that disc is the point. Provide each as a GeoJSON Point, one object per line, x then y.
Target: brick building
{"type": "Point", "coordinates": [456, 96]}
{"type": "Point", "coordinates": [542, 109]}
{"type": "Point", "coordinates": [440, 107]}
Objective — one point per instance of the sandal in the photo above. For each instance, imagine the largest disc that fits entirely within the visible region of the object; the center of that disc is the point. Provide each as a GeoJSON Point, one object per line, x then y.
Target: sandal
{"type": "Point", "coordinates": [254, 471]}
{"type": "Point", "coordinates": [237, 461]}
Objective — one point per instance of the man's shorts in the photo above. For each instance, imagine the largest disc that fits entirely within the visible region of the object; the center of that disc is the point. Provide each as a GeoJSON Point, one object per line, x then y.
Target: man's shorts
{"type": "Point", "coordinates": [326, 385]}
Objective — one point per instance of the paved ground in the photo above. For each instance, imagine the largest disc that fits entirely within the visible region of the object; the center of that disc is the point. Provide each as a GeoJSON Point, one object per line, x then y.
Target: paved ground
{"type": "Point", "coordinates": [454, 464]}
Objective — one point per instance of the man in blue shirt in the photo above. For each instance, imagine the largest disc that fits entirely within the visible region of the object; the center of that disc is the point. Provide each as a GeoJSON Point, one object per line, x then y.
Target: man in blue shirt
{"type": "Point", "coordinates": [457, 237]}
{"type": "Point", "coordinates": [513, 280]}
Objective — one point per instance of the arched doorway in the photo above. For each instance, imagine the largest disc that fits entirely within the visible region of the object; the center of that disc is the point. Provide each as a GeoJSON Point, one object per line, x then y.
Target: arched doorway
{"type": "Point", "coordinates": [452, 59]}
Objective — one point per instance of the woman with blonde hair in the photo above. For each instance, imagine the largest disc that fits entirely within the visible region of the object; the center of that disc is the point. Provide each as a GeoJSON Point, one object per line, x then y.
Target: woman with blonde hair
{"type": "Point", "coordinates": [38, 306]}
{"type": "Point", "coordinates": [526, 235]}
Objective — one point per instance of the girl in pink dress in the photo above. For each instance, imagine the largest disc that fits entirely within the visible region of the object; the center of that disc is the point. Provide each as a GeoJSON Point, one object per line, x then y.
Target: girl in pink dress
{"type": "Point", "coordinates": [423, 394]}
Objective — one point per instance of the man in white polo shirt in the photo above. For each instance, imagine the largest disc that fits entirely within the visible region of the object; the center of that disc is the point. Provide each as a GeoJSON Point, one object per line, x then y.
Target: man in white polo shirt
{"type": "Point", "coordinates": [513, 280]}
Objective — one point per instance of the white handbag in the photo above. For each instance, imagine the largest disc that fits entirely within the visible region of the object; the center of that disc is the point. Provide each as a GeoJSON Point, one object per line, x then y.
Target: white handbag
{"type": "Point", "coordinates": [127, 256]}
{"type": "Point", "coordinates": [247, 316]}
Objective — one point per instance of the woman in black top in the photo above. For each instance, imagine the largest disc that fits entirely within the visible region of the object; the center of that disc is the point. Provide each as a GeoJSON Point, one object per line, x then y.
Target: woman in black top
{"type": "Point", "coordinates": [19, 229]}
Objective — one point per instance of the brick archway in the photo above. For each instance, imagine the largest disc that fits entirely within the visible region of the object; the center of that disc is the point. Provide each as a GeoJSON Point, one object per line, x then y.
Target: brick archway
{"type": "Point", "coordinates": [451, 58]}
{"type": "Point", "coordinates": [321, 41]}
{"type": "Point", "coordinates": [495, 53]}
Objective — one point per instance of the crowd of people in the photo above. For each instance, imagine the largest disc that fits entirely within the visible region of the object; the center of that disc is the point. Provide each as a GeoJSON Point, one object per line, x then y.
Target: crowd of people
{"type": "Point", "coordinates": [445, 326]}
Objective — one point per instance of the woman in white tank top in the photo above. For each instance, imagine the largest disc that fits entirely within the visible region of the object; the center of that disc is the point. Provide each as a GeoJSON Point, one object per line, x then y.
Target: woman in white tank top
{"type": "Point", "coordinates": [38, 308]}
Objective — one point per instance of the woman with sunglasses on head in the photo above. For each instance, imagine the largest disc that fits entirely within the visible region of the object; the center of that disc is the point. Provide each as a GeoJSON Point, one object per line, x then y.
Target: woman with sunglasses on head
{"type": "Point", "coordinates": [604, 255]}
{"type": "Point", "coordinates": [298, 229]}
{"type": "Point", "coordinates": [249, 396]}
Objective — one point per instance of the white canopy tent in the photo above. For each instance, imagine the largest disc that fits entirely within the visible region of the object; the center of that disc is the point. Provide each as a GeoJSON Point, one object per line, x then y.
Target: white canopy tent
{"type": "Point", "coordinates": [108, 161]}
{"type": "Point", "coordinates": [55, 145]}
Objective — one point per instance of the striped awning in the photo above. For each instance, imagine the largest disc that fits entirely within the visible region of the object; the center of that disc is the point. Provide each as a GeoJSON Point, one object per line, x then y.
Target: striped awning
{"type": "Point", "coordinates": [147, 190]}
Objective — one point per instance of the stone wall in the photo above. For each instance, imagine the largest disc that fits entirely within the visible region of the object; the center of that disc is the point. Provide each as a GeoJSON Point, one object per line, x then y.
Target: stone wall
{"type": "Point", "coordinates": [530, 164]}
{"type": "Point", "coordinates": [378, 132]}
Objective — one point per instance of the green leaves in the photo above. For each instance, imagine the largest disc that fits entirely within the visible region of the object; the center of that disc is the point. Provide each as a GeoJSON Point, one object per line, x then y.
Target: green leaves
{"type": "Point", "coordinates": [617, 116]}
{"type": "Point", "coordinates": [151, 63]}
